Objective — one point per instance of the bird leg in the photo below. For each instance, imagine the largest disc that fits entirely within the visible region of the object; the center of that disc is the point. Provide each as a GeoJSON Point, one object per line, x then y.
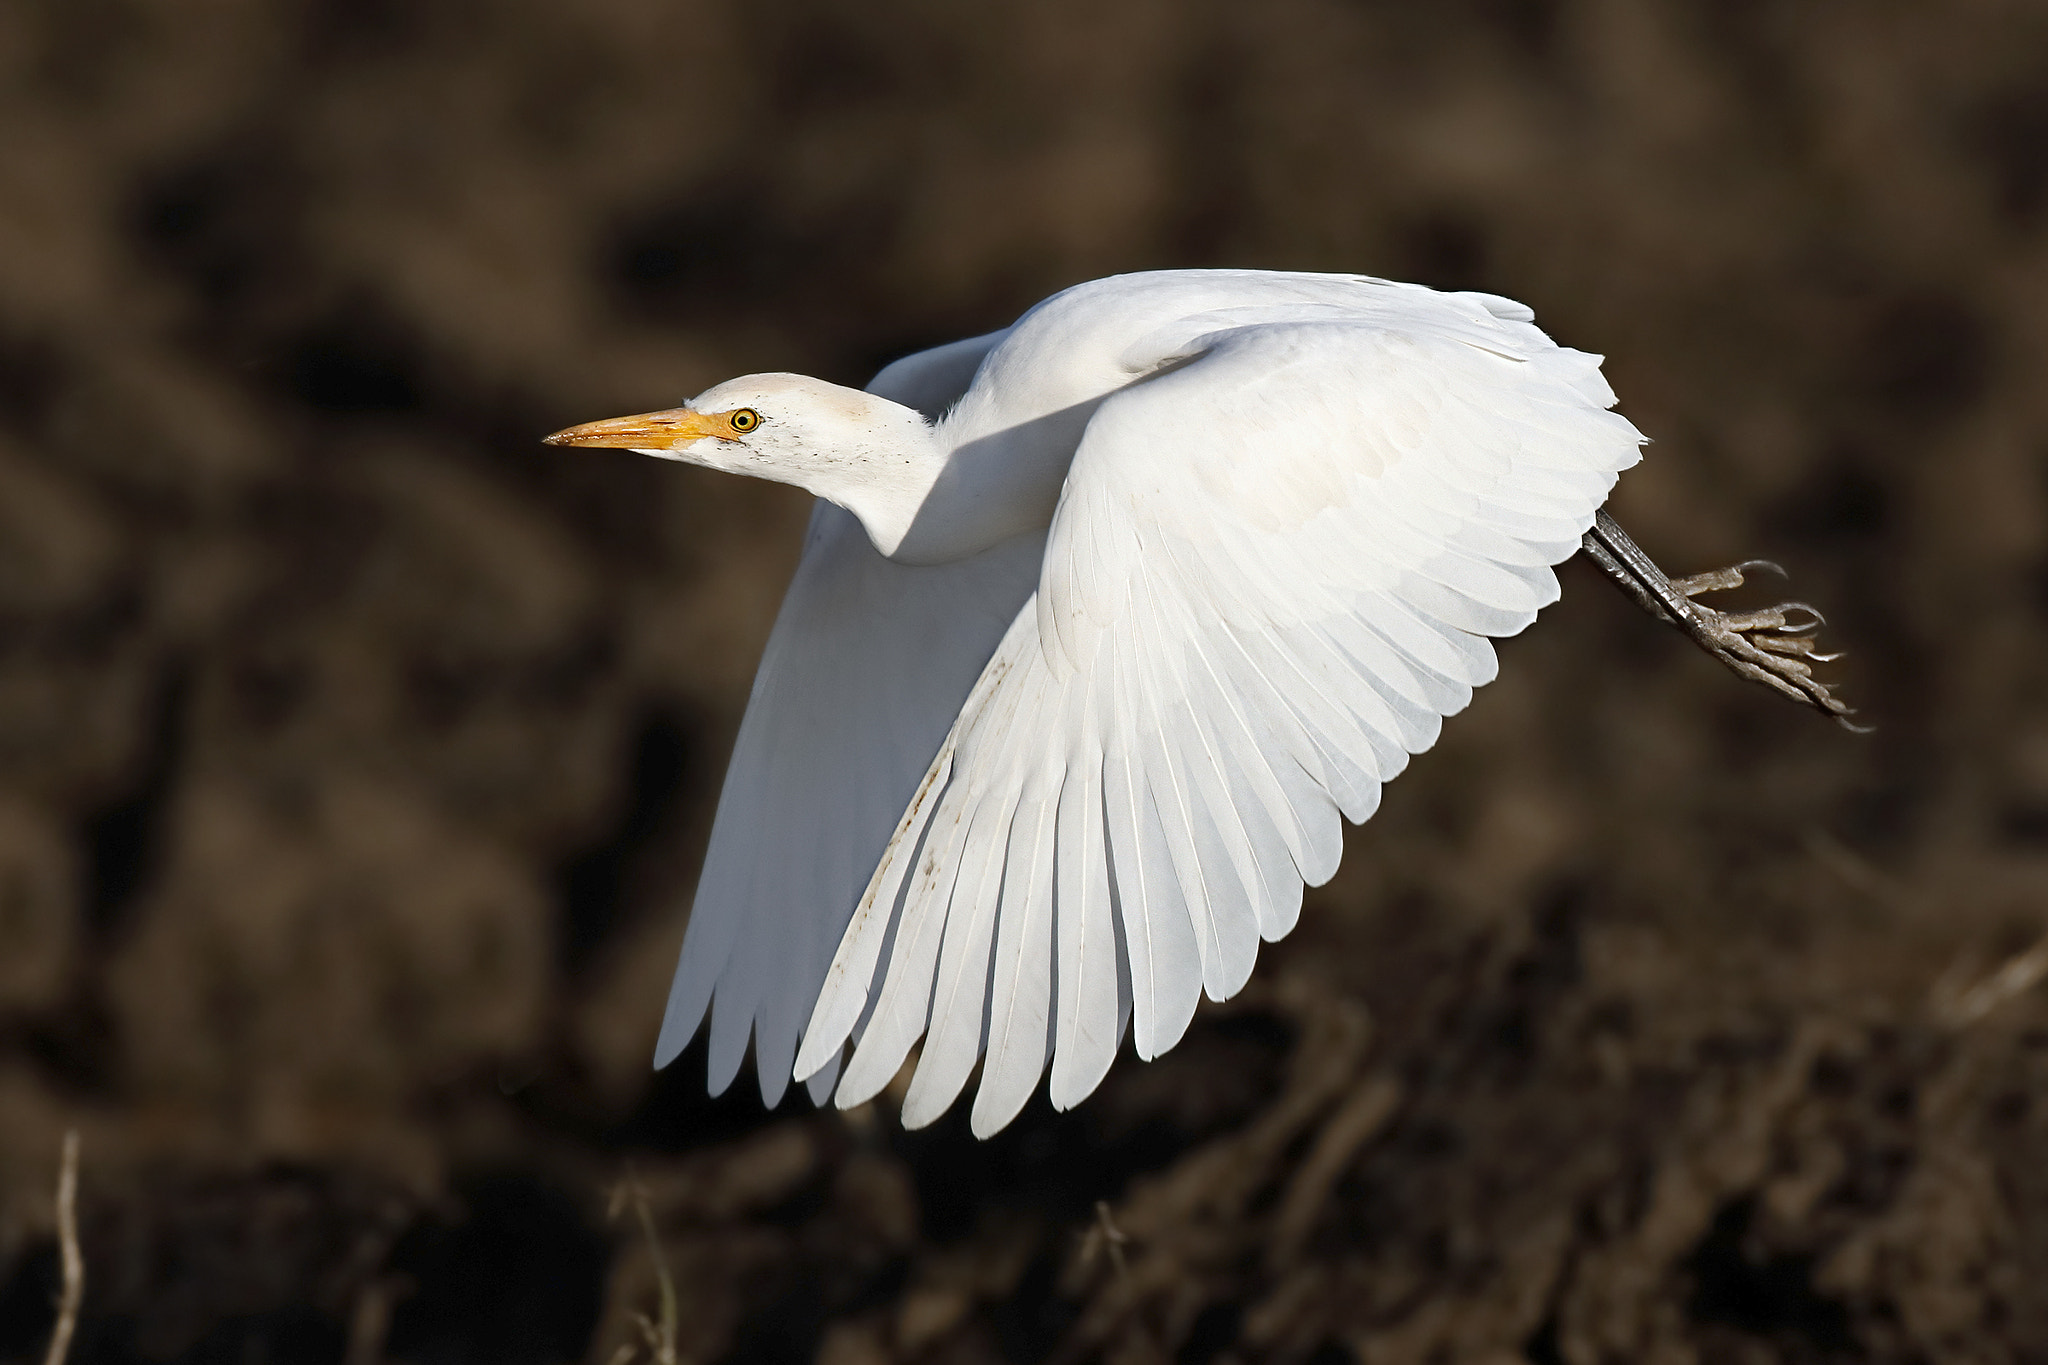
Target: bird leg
{"type": "Point", "coordinates": [1774, 646]}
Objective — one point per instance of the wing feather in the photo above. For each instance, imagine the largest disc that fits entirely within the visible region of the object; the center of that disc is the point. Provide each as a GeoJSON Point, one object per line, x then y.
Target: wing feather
{"type": "Point", "coordinates": [903, 1006]}
{"type": "Point", "coordinates": [1091, 960]}
{"type": "Point", "coordinates": [1021, 984]}
{"type": "Point", "coordinates": [959, 1008]}
{"type": "Point", "coordinates": [1164, 956]}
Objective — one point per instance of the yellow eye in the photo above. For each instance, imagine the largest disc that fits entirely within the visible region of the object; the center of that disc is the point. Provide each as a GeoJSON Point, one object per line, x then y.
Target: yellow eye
{"type": "Point", "coordinates": [746, 419]}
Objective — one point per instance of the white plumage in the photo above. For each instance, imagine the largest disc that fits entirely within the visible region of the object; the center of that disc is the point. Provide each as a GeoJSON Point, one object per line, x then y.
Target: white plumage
{"type": "Point", "coordinates": [1102, 623]}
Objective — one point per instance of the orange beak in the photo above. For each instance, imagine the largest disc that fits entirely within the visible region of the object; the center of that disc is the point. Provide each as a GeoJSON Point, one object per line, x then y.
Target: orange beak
{"type": "Point", "coordinates": [664, 430]}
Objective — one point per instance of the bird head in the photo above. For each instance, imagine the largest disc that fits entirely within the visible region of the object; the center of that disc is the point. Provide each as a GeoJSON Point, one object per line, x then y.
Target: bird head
{"type": "Point", "coordinates": [786, 427]}
{"type": "Point", "coordinates": [873, 457]}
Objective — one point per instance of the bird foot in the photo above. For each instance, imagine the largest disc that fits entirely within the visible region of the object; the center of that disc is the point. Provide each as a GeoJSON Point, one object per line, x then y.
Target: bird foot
{"type": "Point", "coordinates": [1775, 646]}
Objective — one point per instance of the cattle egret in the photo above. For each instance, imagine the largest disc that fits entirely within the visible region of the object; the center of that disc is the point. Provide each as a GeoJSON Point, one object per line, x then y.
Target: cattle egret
{"type": "Point", "coordinates": [1102, 621]}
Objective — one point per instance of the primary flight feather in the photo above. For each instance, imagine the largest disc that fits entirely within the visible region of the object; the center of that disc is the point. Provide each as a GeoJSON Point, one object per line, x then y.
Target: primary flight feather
{"type": "Point", "coordinates": [1102, 623]}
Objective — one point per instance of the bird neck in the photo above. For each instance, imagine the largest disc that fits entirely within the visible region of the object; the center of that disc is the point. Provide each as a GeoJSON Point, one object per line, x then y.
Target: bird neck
{"type": "Point", "coordinates": [881, 467]}
{"type": "Point", "coordinates": [934, 493]}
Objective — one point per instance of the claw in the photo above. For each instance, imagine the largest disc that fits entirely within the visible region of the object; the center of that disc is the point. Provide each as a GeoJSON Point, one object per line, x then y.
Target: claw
{"type": "Point", "coordinates": [1789, 628]}
{"type": "Point", "coordinates": [1801, 645]}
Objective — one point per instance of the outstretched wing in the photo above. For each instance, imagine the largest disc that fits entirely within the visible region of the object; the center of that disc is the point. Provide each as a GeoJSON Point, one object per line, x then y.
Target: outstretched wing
{"type": "Point", "coordinates": [1273, 571]}
{"type": "Point", "coordinates": [864, 672]}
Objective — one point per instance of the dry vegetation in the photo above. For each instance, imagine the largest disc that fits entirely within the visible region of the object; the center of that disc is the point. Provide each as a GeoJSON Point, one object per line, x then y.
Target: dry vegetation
{"type": "Point", "coordinates": [355, 751]}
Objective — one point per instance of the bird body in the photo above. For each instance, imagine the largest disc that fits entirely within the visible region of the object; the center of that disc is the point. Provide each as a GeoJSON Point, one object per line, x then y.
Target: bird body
{"type": "Point", "coordinates": [1102, 623]}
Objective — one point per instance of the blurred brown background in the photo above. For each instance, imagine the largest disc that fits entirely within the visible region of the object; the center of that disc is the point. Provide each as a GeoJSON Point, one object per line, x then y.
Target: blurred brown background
{"type": "Point", "coordinates": [356, 753]}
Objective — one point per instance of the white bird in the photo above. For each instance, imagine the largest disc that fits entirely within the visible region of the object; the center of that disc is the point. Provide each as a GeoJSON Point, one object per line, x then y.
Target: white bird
{"type": "Point", "coordinates": [1102, 622]}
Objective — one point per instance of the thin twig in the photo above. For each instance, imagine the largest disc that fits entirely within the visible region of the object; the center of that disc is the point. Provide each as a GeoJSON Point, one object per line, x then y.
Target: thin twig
{"type": "Point", "coordinates": [2018, 975]}
{"type": "Point", "coordinates": [1104, 1235]}
{"type": "Point", "coordinates": [74, 1263]}
{"type": "Point", "coordinates": [369, 1324]}
{"type": "Point", "coordinates": [665, 1345]}
{"type": "Point", "coordinates": [659, 1337]}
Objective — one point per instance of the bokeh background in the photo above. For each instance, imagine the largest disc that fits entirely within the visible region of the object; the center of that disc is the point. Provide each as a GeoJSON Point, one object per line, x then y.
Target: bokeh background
{"type": "Point", "coordinates": [357, 753]}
